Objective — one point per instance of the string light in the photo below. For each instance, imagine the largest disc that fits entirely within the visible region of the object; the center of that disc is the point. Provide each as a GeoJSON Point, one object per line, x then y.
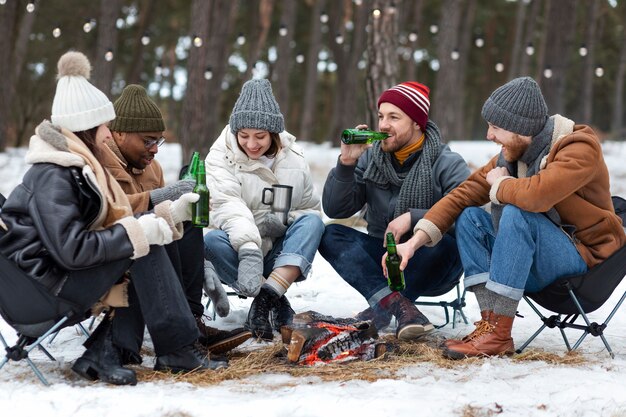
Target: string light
{"type": "Point", "coordinates": [145, 39]}
{"type": "Point", "coordinates": [547, 73]}
{"type": "Point", "coordinates": [376, 13]}
{"type": "Point", "coordinates": [197, 41]}
{"type": "Point", "coordinates": [583, 51]}
{"type": "Point", "coordinates": [56, 32]}
{"type": "Point", "coordinates": [108, 55]}
{"type": "Point", "coordinates": [30, 7]}
{"type": "Point", "coordinates": [530, 49]}
{"type": "Point", "coordinates": [339, 39]}
{"type": "Point", "coordinates": [282, 31]}
{"type": "Point", "coordinates": [358, 2]}
{"type": "Point", "coordinates": [413, 35]}
{"type": "Point", "coordinates": [479, 42]}
{"type": "Point", "coordinates": [88, 25]}
{"type": "Point", "coordinates": [300, 58]}
{"type": "Point", "coordinates": [499, 67]}
{"type": "Point", "coordinates": [599, 71]}
{"type": "Point", "coordinates": [158, 70]}
{"type": "Point", "coordinates": [208, 73]}
{"type": "Point", "coordinates": [324, 17]}
{"type": "Point", "coordinates": [3, 2]}
{"type": "Point", "coordinates": [434, 29]}
{"type": "Point", "coordinates": [241, 39]}
{"type": "Point", "coordinates": [455, 54]}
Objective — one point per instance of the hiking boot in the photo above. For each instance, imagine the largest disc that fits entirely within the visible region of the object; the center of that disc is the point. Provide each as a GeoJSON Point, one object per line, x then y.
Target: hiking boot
{"type": "Point", "coordinates": [220, 341]}
{"type": "Point", "coordinates": [102, 359]}
{"type": "Point", "coordinates": [282, 314]}
{"type": "Point", "coordinates": [412, 324]}
{"type": "Point", "coordinates": [129, 357]}
{"type": "Point", "coordinates": [492, 339]}
{"type": "Point", "coordinates": [187, 359]}
{"type": "Point", "coordinates": [484, 319]}
{"type": "Point", "coordinates": [259, 315]}
{"type": "Point", "coordinates": [381, 318]}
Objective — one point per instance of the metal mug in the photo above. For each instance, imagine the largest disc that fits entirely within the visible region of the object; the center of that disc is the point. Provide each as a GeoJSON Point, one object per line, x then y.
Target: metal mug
{"type": "Point", "coordinates": [280, 202]}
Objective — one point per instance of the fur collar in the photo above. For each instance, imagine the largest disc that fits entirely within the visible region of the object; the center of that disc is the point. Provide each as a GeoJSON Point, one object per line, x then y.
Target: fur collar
{"type": "Point", "coordinates": [49, 145]}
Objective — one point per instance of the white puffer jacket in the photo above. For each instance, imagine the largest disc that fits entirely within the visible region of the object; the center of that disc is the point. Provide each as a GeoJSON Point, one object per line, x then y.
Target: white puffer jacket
{"type": "Point", "coordinates": [236, 185]}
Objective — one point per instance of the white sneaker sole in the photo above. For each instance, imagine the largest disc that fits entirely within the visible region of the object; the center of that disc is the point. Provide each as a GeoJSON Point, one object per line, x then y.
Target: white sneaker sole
{"type": "Point", "coordinates": [414, 331]}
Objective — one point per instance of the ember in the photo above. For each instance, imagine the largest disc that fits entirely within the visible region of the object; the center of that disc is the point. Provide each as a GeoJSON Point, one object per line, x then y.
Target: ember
{"type": "Point", "coordinates": [313, 338]}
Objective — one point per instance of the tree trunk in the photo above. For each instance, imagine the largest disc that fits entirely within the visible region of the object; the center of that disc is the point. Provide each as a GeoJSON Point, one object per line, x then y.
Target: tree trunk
{"type": "Point", "coordinates": [102, 76]}
{"type": "Point", "coordinates": [524, 68]}
{"type": "Point", "coordinates": [257, 41]}
{"type": "Point", "coordinates": [617, 119]}
{"type": "Point", "coordinates": [586, 112]}
{"type": "Point", "coordinates": [8, 14]}
{"type": "Point", "coordinates": [447, 77]}
{"type": "Point", "coordinates": [416, 24]}
{"type": "Point", "coordinates": [516, 52]}
{"type": "Point", "coordinates": [382, 58]}
{"type": "Point", "coordinates": [311, 81]}
{"type": "Point", "coordinates": [133, 75]}
{"type": "Point", "coordinates": [284, 63]}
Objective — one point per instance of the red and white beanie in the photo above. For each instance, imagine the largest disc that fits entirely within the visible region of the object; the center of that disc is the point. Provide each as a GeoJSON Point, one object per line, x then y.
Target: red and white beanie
{"type": "Point", "coordinates": [412, 98]}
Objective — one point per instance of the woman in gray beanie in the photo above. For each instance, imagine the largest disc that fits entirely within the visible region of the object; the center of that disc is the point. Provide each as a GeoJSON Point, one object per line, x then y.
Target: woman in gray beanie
{"type": "Point", "coordinates": [252, 250]}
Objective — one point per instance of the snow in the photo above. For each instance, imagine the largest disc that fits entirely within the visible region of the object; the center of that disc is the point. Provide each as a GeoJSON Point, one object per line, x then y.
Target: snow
{"type": "Point", "coordinates": [501, 386]}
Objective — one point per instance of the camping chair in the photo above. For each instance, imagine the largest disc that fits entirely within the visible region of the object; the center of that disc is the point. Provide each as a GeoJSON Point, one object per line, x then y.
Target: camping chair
{"type": "Point", "coordinates": [456, 304]}
{"type": "Point", "coordinates": [580, 295]}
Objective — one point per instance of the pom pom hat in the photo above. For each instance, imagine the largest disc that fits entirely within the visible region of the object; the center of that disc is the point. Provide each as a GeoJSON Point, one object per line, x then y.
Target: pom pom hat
{"type": "Point", "coordinates": [77, 104]}
{"type": "Point", "coordinates": [412, 98]}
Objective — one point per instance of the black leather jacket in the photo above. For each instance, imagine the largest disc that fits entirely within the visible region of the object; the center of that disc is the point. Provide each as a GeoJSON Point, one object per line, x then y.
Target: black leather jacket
{"type": "Point", "coordinates": [48, 218]}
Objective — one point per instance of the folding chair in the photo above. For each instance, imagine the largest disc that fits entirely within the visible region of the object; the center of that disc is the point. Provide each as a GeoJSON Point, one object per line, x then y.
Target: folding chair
{"type": "Point", "coordinates": [456, 304]}
{"type": "Point", "coordinates": [578, 296]}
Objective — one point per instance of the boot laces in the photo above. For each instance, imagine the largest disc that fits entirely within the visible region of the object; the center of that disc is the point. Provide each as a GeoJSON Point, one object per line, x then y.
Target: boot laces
{"type": "Point", "coordinates": [482, 327]}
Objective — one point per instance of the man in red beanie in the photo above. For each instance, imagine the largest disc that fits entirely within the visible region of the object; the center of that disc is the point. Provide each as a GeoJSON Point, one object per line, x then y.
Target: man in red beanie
{"type": "Point", "coordinates": [398, 179]}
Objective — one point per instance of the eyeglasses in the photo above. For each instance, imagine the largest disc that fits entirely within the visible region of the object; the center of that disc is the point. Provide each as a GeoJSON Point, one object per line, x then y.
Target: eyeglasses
{"type": "Point", "coordinates": [149, 143]}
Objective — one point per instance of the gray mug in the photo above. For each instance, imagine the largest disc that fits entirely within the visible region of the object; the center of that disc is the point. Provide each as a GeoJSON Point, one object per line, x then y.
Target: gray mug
{"type": "Point", "coordinates": [280, 202]}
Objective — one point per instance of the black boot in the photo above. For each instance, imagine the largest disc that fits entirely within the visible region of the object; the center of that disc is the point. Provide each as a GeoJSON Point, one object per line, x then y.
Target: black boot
{"type": "Point", "coordinates": [282, 314]}
{"type": "Point", "coordinates": [220, 341]}
{"type": "Point", "coordinates": [187, 359]}
{"type": "Point", "coordinates": [102, 359]}
{"type": "Point", "coordinates": [259, 315]}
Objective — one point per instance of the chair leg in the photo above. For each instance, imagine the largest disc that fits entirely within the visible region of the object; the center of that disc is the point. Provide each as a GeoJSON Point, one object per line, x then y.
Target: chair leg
{"type": "Point", "coordinates": [528, 342]}
{"type": "Point", "coordinates": [37, 372]}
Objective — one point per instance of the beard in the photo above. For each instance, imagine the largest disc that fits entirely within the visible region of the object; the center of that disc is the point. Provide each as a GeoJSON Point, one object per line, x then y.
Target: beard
{"type": "Point", "coordinates": [514, 151]}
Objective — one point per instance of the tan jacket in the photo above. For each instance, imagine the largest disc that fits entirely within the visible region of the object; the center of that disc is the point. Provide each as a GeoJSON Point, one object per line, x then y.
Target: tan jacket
{"type": "Point", "coordinates": [574, 180]}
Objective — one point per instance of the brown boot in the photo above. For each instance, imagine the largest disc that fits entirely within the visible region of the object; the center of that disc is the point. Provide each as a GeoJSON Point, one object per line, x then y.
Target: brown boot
{"type": "Point", "coordinates": [493, 339]}
{"type": "Point", "coordinates": [412, 324]}
{"type": "Point", "coordinates": [484, 319]}
{"type": "Point", "coordinates": [220, 341]}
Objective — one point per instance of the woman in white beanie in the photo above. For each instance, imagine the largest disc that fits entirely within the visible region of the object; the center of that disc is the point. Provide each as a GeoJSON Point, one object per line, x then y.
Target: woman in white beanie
{"type": "Point", "coordinates": [70, 226]}
{"type": "Point", "coordinates": [251, 243]}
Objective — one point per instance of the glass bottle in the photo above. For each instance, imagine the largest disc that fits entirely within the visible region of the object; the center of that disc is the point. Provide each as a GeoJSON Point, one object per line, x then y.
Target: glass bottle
{"type": "Point", "coordinates": [395, 277]}
{"type": "Point", "coordinates": [358, 136]}
{"type": "Point", "coordinates": [200, 209]}
{"type": "Point", "coordinates": [192, 168]}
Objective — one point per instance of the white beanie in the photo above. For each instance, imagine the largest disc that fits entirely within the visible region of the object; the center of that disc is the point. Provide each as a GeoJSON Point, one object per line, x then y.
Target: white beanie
{"type": "Point", "coordinates": [77, 104]}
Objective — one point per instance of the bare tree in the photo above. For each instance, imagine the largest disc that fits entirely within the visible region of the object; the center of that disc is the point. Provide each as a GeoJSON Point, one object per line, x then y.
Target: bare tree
{"type": "Point", "coordinates": [107, 41]}
{"type": "Point", "coordinates": [524, 66]}
{"type": "Point", "coordinates": [516, 52]}
{"type": "Point", "coordinates": [416, 24]}
{"type": "Point", "coordinates": [284, 61]}
{"type": "Point", "coordinates": [257, 41]}
{"type": "Point", "coordinates": [382, 58]}
{"type": "Point", "coordinates": [146, 9]}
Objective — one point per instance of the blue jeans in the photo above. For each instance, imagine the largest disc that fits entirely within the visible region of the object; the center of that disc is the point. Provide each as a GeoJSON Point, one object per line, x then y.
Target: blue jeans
{"type": "Point", "coordinates": [356, 257]}
{"type": "Point", "coordinates": [296, 248]}
{"type": "Point", "coordinates": [528, 253]}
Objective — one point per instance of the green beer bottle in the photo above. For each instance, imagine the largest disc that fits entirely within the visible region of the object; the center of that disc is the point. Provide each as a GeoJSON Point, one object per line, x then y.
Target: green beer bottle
{"type": "Point", "coordinates": [395, 277]}
{"type": "Point", "coordinates": [200, 209]}
{"type": "Point", "coordinates": [192, 168]}
{"type": "Point", "coordinates": [358, 136]}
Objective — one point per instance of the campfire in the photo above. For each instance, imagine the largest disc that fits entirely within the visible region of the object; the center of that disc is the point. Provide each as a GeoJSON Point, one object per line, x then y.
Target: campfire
{"type": "Point", "coordinates": [314, 339]}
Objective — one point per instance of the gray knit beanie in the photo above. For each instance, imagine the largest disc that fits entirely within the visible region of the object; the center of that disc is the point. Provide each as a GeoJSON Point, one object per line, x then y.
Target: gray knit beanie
{"type": "Point", "coordinates": [517, 106]}
{"type": "Point", "coordinates": [256, 108]}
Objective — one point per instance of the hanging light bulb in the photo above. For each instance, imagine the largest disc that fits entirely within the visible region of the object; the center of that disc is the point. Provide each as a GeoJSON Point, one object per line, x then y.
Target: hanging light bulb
{"type": "Point", "coordinates": [376, 13]}
{"type": "Point", "coordinates": [282, 31]}
{"type": "Point", "coordinates": [56, 32]}
{"type": "Point", "coordinates": [339, 39]}
{"type": "Point", "coordinates": [197, 41]}
{"type": "Point", "coordinates": [455, 55]}
{"type": "Point", "coordinates": [30, 7]}
{"type": "Point", "coordinates": [108, 55]}
{"type": "Point", "coordinates": [547, 73]}
{"type": "Point", "coordinates": [499, 67]}
{"type": "Point", "coordinates": [434, 29]}
{"type": "Point", "coordinates": [413, 35]}
{"type": "Point", "coordinates": [583, 51]}
{"type": "Point", "coordinates": [358, 2]}
{"type": "Point", "coordinates": [3, 2]}
{"type": "Point", "coordinates": [300, 58]}
{"type": "Point", "coordinates": [324, 17]}
{"type": "Point", "coordinates": [599, 71]}
{"type": "Point", "coordinates": [479, 42]}
{"type": "Point", "coordinates": [530, 49]}
{"type": "Point", "coordinates": [158, 70]}
{"type": "Point", "coordinates": [208, 73]}
{"type": "Point", "coordinates": [241, 39]}
{"type": "Point", "coordinates": [87, 26]}
{"type": "Point", "coordinates": [145, 39]}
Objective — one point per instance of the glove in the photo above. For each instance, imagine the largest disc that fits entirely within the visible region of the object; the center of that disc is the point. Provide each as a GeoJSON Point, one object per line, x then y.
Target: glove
{"type": "Point", "coordinates": [271, 226]}
{"type": "Point", "coordinates": [181, 208]}
{"type": "Point", "coordinates": [214, 289]}
{"type": "Point", "coordinates": [156, 229]}
{"type": "Point", "coordinates": [172, 191]}
{"type": "Point", "coordinates": [250, 272]}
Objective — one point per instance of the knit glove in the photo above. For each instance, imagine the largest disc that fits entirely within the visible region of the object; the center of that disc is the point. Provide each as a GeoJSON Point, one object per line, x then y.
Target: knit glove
{"type": "Point", "coordinates": [272, 227]}
{"type": "Point", "coordinates": [250, 272]}
{"type": "Point", "coordinates": [214, 289]}
{"type": "Point", "coordinates": [172, 191]}
{"type": "Point", "coordinates": [181, 208]}
{"type": "Point", "coordinates": [156, 229]}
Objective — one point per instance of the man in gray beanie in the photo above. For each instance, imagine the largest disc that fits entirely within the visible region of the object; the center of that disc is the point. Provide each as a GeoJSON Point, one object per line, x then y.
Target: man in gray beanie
{"type": "Point", "coordinates": [549, 178]}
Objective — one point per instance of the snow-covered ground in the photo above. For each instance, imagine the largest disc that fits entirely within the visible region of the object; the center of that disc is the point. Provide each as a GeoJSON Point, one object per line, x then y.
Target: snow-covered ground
{"type": "Point", "coordinates": [481, 388]}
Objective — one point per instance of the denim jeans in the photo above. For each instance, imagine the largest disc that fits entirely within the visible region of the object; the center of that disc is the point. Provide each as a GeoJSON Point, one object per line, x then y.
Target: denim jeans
{"type": "Point", "coordinates": [528, 253]}
{"type": "Point", "coordinates": [356, 257]}
{"type": "Point", "coordinates": [296, 248]}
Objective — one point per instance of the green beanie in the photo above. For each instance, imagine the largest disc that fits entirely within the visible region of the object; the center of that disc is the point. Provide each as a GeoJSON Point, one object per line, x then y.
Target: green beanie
{"type": "Point", "coordinates": [136, 112]}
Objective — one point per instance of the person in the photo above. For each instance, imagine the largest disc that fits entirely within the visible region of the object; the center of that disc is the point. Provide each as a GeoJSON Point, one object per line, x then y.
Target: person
{"type": "Point", "coordinates": [70, 226]}
{"type": "Point", "coordinates": [397, 180]}
{"type": "Point", "coordinates": [250, 242]}
{"type": "Point", "coordinates": [137, 133]}
{"type": "Point", "coordinates": [551, 213]}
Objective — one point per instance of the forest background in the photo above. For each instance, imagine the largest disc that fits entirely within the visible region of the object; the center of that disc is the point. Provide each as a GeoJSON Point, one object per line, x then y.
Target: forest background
{"type": "Point", "coordinates": [328, 60]}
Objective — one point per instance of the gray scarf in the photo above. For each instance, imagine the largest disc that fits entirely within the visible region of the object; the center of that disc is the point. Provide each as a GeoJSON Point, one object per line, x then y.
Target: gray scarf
{"type": "Point", "coordinates": [416, 186]}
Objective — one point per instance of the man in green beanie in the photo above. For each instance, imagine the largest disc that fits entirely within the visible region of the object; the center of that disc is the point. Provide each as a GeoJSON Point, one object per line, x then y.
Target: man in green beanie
{"type": "Point", "coordinates": [137, 133]}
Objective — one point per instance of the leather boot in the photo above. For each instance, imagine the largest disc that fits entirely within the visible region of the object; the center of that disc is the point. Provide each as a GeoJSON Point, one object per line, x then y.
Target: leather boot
{"type": "Point", "coordinates": [494, 339]}
{"type": "Point", "coordinates": [282, 314]}
{"type": "Point", "coordinates": [259, 315]}
{"type": "Point", "coordinates": [102, 359]}
{"type": "Point", "coordinates": [220, 341]}
{"type": "Point", "coordinates": [484, 319]}
{"type": "Point", "coordinates": [412, 324]}
{"type": "Point", "coordinates": [187, 359]}
{"type": "Point", "coordinates": [381, 318]}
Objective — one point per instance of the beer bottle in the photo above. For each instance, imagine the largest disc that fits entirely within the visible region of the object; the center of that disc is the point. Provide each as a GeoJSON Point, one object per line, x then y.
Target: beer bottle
{"type": "Point", "coordinates": [358, 136]}
{"type": "Point", "coordinates": [192, 168]}
{"type": "Point", "coordinates": [395, 277]}
{"type": "Point", "coordinates": [200, 209]}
